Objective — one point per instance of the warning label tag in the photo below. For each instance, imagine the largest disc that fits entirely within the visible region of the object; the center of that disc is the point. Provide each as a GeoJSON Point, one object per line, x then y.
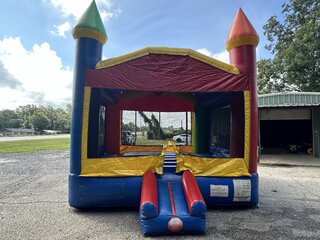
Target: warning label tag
{"type": "Point", "coordinates": [242, 190]}
{"type": "Point", "coordinates": [219, 190]}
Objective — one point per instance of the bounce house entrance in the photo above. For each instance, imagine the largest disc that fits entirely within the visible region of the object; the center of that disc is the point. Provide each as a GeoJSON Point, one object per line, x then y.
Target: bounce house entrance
{"type": "Point", "coordinates": [171, 203]}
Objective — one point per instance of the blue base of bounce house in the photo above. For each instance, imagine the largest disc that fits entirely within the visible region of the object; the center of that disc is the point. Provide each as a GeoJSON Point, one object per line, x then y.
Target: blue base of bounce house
{"type": "Point", "coordinates": [87, 192]}
{"type": "Point", "coordinates": [230, 191]}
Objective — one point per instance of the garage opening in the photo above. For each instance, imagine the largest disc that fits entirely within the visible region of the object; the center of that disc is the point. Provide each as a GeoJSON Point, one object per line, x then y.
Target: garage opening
{"type": "Point", "coordinates": [285, 130]}
{"type": "Point", "coordinates": [279, 136]}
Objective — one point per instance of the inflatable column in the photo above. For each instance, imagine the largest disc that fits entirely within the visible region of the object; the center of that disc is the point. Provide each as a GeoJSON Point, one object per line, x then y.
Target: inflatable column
{"type": "Point", "coordinates": [241, 45]}
{"type": "Point", "coordinates": [90, 35]}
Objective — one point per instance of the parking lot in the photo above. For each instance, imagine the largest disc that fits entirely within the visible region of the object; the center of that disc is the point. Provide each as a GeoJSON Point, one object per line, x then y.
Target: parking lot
{"type": "Point", "coordinates": [33, 205]}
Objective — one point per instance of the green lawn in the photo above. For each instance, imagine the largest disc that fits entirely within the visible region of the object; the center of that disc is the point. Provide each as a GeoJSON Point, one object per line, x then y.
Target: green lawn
{"type": "Point", "coordinates": [34, 145]}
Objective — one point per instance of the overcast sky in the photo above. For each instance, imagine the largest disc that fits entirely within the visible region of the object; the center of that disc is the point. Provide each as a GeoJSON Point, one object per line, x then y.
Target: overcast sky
{"type": "Point", "coordinates": [37, 49]}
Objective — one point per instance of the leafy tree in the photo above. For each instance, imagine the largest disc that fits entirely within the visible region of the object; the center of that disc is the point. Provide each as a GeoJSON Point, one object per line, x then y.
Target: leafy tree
{"type": "Point", "coordinates": [9, 119]}
{"type": "Point", "coordinates": [69, 110]}
{"type": "Point", "coordinates": [25, 113]}
{"type": "Point", "coordinates": [62, 120]}
{"type": "Point", "coordinates": [51, 114]}
{"type": "Point", "coordinates": [295, 45]}
{"type": "Point", "coordinates": [39, 121]}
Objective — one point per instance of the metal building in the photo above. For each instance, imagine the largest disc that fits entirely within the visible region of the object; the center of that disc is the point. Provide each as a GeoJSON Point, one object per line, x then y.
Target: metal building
{"type": "Point", "coordinates": [290, 119]}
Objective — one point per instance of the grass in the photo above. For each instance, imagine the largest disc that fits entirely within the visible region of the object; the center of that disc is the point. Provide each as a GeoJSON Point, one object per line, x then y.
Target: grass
{"type": "Point", "coordinates": [142, 141]}
{"type": "Point", "coordinates": [24, 146]}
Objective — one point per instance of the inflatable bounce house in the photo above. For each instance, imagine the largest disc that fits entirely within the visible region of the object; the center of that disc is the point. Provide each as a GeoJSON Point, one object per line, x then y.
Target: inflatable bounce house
{"type": "Point", "coordinates": [172, 184]}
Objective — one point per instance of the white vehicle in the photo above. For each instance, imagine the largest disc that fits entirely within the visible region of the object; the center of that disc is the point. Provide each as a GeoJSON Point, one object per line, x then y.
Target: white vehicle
{"type": "Point", "coordinates": [181, 138]}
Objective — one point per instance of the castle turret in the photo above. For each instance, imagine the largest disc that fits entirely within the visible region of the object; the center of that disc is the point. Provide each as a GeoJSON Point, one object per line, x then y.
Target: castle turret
{"type": "Point", "coordinates": [90, 35]}
{"type": "Point", "coordinates": [90, 25]}
{"type": "Point", "coordinates": [241, 45]}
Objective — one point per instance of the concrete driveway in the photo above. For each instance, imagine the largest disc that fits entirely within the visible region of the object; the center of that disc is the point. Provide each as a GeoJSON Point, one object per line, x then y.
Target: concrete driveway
{"type": "Point", "coordinates": [33, 205]}
{"type": "Point", "coordinates": [287, 159]}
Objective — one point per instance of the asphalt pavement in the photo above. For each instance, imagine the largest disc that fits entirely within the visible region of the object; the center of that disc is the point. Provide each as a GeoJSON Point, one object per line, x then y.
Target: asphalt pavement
{"type": "Point", "coordinates": [33, 205]}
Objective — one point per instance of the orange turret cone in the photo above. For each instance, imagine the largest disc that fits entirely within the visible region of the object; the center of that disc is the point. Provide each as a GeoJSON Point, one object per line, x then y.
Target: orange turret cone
{"type": "Point", "coordinates": [241, 32]}
{"type": "Point", "coordinates": [241, 45]}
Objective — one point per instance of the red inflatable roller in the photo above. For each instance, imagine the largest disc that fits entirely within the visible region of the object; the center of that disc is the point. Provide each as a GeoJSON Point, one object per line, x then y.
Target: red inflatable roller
{"type": "Point", "coordinates": [149, 196]}
{"type": "Point", "coordinates": [195, 202]}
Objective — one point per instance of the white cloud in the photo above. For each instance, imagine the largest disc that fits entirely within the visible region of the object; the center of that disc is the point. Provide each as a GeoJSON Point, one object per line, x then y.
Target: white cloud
{"type": "Point", "coordinates": [76, 8]}
{"type": "Point", "coordinates": [205, 51]}
{"type": "Point", "coordinates": [222, 56]}
{"type": "Point", "coordinates": [107, 15]}
{"type": "Point", "coordinates": [43, 78]}
{"type": "Point", "coordinates": [61, 29]}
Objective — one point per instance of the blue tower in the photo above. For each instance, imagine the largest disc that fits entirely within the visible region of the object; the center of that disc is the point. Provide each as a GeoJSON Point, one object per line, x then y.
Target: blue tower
{"type": "Point", "coordinates": [90, 35]}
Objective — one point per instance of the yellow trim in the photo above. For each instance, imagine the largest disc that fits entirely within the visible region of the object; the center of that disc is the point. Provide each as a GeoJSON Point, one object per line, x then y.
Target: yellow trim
{"type": "Point", "coordinates": [242, 40]}
{"type": "Point", "coordinates": [85, 124]}
{"type": "Point", "coordinates": [121, 166]}
{"type": "Point", "coordinates": [89, 33]}
{"type": "Point", "coordinates": [247, 116]}
{"type": "Point", "coordinates": [115, 166]}
{"type": "Point", "coordinates": [168, 51]}
{"type": "Point", "coordinates": [213, 167]}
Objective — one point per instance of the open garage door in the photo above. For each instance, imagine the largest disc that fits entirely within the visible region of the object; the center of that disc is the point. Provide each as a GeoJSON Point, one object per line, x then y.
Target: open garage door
{"type": "Point", "coordinates": [285, 129]}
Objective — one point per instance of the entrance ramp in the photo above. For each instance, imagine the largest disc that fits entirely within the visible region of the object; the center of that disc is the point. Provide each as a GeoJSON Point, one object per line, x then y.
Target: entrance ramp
{"type": "Point", "coordinates": [171, 205]}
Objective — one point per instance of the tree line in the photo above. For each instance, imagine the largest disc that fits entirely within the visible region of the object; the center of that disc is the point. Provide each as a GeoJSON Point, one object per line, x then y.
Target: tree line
{"type": "Point", "coordinates": [37, 118]}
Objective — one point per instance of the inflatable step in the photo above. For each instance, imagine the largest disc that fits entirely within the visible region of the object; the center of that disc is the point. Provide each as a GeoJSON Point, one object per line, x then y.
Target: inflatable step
{"type": "Point", "coordinates": [171, 207]}
{"type": "Point", "coordinates": [170, 163]}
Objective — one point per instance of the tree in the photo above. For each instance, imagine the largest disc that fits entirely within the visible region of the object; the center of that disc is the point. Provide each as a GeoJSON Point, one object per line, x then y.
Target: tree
{"type": "Point", "coordinates": [25, 113]}
{"type": "Point", "coordinates": [154, 126]}
{"type": "Point", "coordinates": [51, 114]}
{"type": "Point", "coordinates": [9, 119]}
{"type": "Point", "coordinates": [39, 121]}
{"type": "Point", "coordinates": [62, 120]}
{"type": "Point", "coordinates": [159, 134]}
{"type": "Point", "coordinates": [69, 110]}
{"type": "Point", "coordinates": [295, 45]}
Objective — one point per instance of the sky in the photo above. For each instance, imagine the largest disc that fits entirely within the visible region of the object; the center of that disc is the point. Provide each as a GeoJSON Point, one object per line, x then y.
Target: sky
{"type": "Point", "coordinates": [37, 48]}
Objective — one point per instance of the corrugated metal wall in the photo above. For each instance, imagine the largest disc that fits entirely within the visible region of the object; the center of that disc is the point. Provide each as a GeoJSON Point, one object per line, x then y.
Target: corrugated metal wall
{"type": "Point", "coordinates": [285, 113]}
{"type": "Point", "coordinates": [289, 99]}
